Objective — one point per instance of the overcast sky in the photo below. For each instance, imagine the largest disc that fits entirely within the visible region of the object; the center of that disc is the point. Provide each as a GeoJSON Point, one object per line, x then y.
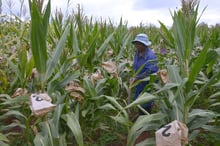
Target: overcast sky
{"type": "Point", "coordinates": [132, 11]}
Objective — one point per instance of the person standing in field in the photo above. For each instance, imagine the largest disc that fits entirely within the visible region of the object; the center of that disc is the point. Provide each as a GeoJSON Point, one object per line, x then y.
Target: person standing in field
{"type": "Point", "coordinates": [145, 64]}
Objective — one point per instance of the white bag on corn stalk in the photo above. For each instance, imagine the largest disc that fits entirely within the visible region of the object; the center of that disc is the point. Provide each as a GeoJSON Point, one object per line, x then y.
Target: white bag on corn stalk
{"type": "Point", "coordinates": [172, 134]}
{"type": "Point", "coordinates": [40, 104]}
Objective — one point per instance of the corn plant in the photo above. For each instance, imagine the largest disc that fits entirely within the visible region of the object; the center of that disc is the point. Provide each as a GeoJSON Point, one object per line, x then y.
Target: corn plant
{"type": "Point", "coordinates": [3, 140]}
{"type": "Point", "coordinates": [185, 76]}
{"type": "Point", "coordinates": [178, 96]}
{"type": "Point", "coordinates": [3, 79]}
{"type": "Point", "coordinates": [204, 32]}
{"type": "Point", "coordinates": [50, 78]}
{"type": "Point", "coordinates": [16, 118]}
{"type": "Point", "coordinates": [72, 49]}
{"type": "Point", "coordinates": [68, 110]}
{"type": "Point", "coordinates": [39, 26]}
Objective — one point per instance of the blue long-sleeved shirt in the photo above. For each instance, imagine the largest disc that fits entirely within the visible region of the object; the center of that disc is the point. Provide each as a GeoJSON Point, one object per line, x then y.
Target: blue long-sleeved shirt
{"type": "Point", "coordinates": [149, 59]}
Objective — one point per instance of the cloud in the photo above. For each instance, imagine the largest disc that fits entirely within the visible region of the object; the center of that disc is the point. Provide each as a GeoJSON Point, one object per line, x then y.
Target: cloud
{"type": "Point", "coordinates": [132, 11]}
{"type": "Point", "coordinates": [140, 5]}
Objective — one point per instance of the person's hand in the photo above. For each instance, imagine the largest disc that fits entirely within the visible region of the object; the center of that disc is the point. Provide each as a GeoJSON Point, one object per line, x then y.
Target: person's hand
{"type": "Point", "coordinates": [132, 80]}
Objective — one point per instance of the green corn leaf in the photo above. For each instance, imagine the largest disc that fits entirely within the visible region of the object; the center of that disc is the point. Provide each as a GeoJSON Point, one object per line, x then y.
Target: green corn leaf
{"type": "Point", "coordinates": [3, 139]}
{"type": "Point", "coordinates": [88, 58]}
{"type": "Point", "coordinates": [89, 87]}
{"type": "Point", "coordinates": [39, 26]}
{"type": "Point", "coordinates": [100, 85]}
{"type": "Point", "coordinates": [179, 35]}
{"type": "Point", "coordinates": [174, 74]}
{"type": "Point", "coordinates": [56, 119]}
{"type": "Point", "coordinates": [40, 140]}
{"type": "Point", "coordinates": [198, 118]}
{"type": "Point", "coordinates": [103, 47]}
{"type": "Point", "coordinates": [15, 69]}
{"type": "Point", "coordinates": [214, 129]}
{"type": "Point", "coordinates": [193, 134]}
{"type": "Point", "coordinates": [30, 66]}
{"type": "Point", "coordinates": [53, 61]}
{"type": "Point", "coordinates": [215, 104]}
{"type": "Point", "coordinates": [196, 68]}
{"type": "Point", "coordinates": [143, 98]}
{"type": "Point", "coordinates": [48, 135]}
{"type": "Point", "coordinates": [149, 122]}
{"type": "Point", "coordinates": [211, 58]}
{"type": "Point", "coordinates": [167, 36]}
{"type": "Point", "coordinates": [73, 124]}
{"type": "Point", "coordinates": [215, 95]}
{"type": "Point", "coordinates": [6, 97]}
{"type": "Point", "coordinates": [126, 39]}
{"type": "Point", "coordinates": [48, 130]}
{"type": "Point", "coordinates": [114, 102]}
{"type": "Point", "coordinates": [56, 85]}
{"type": "Point", "coordinates": [75, 45]}
{"type": "Point", "coordinates": [9, 127]}
{"type": "Point", "coordinates": [147, 142]}
{"type": "Point", "coordinates": [3, 144]}
{"type": "Point", "coordinates": [167, 86]}
{"type": "Point", "coordinates": [107, 107]}
{"type": "Point", "coordinates": [56, 27]}
{"type": "Point", "coordinates": [62, 140]}
{"type": "Point", "coordinates": [16, 100]}
{"type": "Point", "coordinates": [22, 62]}
{"type": "Point", "coordinates": [53, 133]}
{"type": "Point", "coordinates": [13, 113]}
{"type": "Point", "coordinates": [122, 120]}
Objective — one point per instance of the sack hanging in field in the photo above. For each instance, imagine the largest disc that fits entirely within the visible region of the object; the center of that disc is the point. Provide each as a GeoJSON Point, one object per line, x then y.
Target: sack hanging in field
{"type": "Point", "coordinates": [40, 104]}
{"type": "Point", "coordinates": [172, 134]}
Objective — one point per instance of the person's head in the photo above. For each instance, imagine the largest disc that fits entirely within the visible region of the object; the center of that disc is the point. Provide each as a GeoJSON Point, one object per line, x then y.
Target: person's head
{"type": "Point", "coordinates": [141, 42]}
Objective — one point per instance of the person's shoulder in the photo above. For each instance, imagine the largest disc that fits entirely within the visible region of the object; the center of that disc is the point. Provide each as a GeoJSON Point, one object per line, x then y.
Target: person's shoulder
{"type": "Point", "coordinates": [150, 52]}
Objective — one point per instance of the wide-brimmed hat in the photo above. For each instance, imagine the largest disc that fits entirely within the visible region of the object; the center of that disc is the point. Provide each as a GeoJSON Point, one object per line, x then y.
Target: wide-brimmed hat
{"type": "Point", "coordinates": [142, 38]}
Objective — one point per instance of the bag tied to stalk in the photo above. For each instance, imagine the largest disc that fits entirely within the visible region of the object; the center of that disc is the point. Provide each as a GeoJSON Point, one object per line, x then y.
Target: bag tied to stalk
{"type": "Point", "coordinates": [40, 104]}
{"type": "Point", "coordinates": [172, 134]}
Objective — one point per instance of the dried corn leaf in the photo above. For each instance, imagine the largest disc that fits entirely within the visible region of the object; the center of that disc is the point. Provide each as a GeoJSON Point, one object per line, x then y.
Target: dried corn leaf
{"type": "Point", "coordinates": [97, 76]}
{"type": "Point", "coordinates": [77, 96]}
{"type": "Point", "coordinates": [110, 67]}
{"type": "Point", "coordinates": [73, 86]}
{"type": "Point", "coordinates": [19, 92]}
{"type": "Point", "coordinates": [110, 52]}
{"type": "Point", "coordinates": [163, 76]}
{"type": "Point", "coordinates": [34, 73]}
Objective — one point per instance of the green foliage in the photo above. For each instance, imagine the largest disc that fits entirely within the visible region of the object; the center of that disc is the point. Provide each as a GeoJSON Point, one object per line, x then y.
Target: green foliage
{"type": "Point", "coordinates": [14, 113]}
{"type": "Point", "coordinates": [73, 49]}
{"type": "Point", "coordinates": [73, 123]}
{"type": "Point", "coordinates": [144, 123]}
{"type": "Point", "coordinates": [3, 140]}
{"type": "Point", "coordinates": [186, 74]}
{"type": "Point", "coordinates": [39, 27]}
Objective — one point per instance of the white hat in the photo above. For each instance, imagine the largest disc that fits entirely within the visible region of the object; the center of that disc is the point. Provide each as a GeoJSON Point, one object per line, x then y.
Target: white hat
{"type": "Point", "coordinates": [142, 38]}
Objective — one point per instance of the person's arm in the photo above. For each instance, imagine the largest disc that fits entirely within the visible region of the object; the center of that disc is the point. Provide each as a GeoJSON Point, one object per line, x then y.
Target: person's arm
{"type": "Point", "coordinates": [150, 67]}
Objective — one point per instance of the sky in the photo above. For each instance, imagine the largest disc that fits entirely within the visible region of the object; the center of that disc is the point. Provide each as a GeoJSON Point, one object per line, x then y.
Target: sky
{"type": "Point", "coordinates": [134, 12]}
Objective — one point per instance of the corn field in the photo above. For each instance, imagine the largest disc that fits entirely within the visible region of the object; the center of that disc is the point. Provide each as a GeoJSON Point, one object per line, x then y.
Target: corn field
{"type": "Point", "coordinates": [84, 66]}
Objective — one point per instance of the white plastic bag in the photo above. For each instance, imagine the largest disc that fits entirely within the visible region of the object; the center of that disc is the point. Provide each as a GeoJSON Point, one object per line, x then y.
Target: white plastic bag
{"type": "Point", "coordinates": [40, 104]}
{"type": "Point", "coordinates": [172, 134]}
